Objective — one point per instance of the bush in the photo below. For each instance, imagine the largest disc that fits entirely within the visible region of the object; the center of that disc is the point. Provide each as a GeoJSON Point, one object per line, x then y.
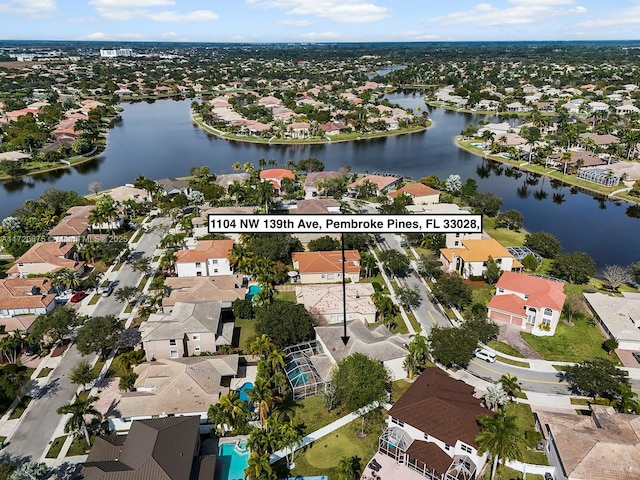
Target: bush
{"type": "Point", "coordinates": [243, 308]}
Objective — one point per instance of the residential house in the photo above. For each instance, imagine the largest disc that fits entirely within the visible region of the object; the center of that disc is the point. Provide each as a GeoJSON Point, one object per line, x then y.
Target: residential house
{"type": "Point", "coordinates": [227, 179]}
{"type": "Point", "coordinates": [433, 426]}
{"type": "Point", "coordinates": [298, 130]}
{"type": "Point", "coordinates": [166, 387]}
{"type": "Point", "coordinates": [162, 449]}
{"type": "Point", "coordinates": [25, 296]}
{"type": "Point", "coordinates": [326, 267]}
{"type": "Point", "coordinates": [604, 445]}
{"type": "Point", "coordinates": [383, 183]}
{"type": "Point", "coordinates": [276, 176]}
{"type": "Point", "coordinates": [47, 257]}
{"type": "Point", "coordinates": [619, 317]}
{"type": "Point", "coordinates": [313, 178]}
{"type": "Point", "coordinates": [579, 159]}
{"type": "Point", "coordinates": [224, 288]}
{"type": "Point", "coordinates": [208, 258]}
{"type": "Point", "coordinates": [627, 109]}
{"type": "Point", "coordinates": [190, 329]}
{"type": "Point", "coordinates": [451, 239]}
{"type": "Point", "coordinates": [173, 186]}
{"type": "Point", "coordinates": [378, 343]}
{"type": "Point", "coordinates": [325, 302]}
{"type": "Point", "coordinates": [333, 128]}
{"type": "Point", "coordinates": [470, 258]}
{"type": "Point", "coordinates": [315, 206]}
{"type": "Point", "coordinates": [128, 192]}
{"type": "Point", "coordinates": [74, 225]}
{"type": "Point", "coordinates": [419, 193]}
{"type": "Point", "coordinates": [533, 303]}
{"type": "Point", "coordinates": [600, 140]}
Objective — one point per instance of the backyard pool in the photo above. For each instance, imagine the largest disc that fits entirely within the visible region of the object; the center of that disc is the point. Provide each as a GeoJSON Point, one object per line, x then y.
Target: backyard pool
{"type": "Point", "coordinates": [244, 391]}
{"type": "Point", "coordinates": [232, 460]}
{"type": "Point", "coordinates": [253, 291]}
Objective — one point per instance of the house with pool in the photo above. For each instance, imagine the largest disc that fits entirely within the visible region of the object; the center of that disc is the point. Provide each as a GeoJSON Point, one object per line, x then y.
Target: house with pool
{"type": "Point", "coordinates": [326, 267]}
{"type": "Point", "coordinates": [431, 432]}
{"type": "Point", "coordinates": [207, 259]}
{"type": "Point", "coordinates": [471, 257]}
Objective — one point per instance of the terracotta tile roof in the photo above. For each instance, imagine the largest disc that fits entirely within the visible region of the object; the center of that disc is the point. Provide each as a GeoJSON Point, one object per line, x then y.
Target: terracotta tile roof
{"type": "Point", "coordinates": [203, 289]}
{"type": "Point", "coordinates": [541, 291]}
{"type": "Point", "coordinates": [442, 407]}
{"type": "Point", "coordinates": [21, 322]}
{"type": "Point", "coordinates": [314, 177]}
{"type": "Point", "coordinates": [326, 262]}
{"type": "Point", "coordinates": [327, 299]}
{"type": "Point", "coordinates": [415, 190]}
{"type": "Point", "coordinates": [381, 182]}
{"type": "Point", "coordinates": [21, 293]}
{"type": "Point", "coordinates": [315, 205]}
{"type": "Point", "coordinates": [277, 174]}
{"type": "Point", "coordinates": [54, 253]}
{"type": "Point", "coordinates": [75, 223]}
{"type": "Point", "coordinates": [205, 250]}
{"type": "Point", "coordinates": [478, 250]}
{"type": "Point", "coordinates": [508, 303]}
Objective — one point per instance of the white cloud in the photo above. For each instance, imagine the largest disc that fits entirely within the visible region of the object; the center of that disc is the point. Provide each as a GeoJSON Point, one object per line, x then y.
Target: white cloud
{"type": "Point", "coordinates": [174, 36]}
{"type": "Point", "coordinates": [113, 36]}
{"type": "Point", "coordinates": [128, 3]}
{"type": "Point", "coordinates": [521, 12]}
{"type": "Point", "coordinates": [30, 8]}
{"type": "Point", "coordinates": [413, 36]}
{"type": "Point", "coordinates": [354, 11]}
{"type": "Point", "coordinates": [629, 16]}
{"type": "Point", "coordinates": [195, 16]}
{"type": "Point", "coordinates": [295, 23]}
{"type": "Point", "coordinates": [321, 36]}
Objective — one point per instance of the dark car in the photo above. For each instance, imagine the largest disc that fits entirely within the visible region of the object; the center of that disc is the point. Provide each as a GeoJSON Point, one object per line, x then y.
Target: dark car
{"type": "Point", "coordinates": [548, 476]}
{"type": "Point", "coordinates": [78, 296]}
{"type": "Point", "coordinates": [32, 349]}
{"type": "Point", "coordinates": [636, 355]}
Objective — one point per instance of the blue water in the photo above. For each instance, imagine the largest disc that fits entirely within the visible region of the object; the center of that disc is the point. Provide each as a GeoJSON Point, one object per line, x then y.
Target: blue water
{"type": "Point", "coordinates": [243, 391]}
{"type": "Point", "coordinates": [231, 462]}
{"type": "Point", "coordinates": [296, 376]}
{"type": "Point", "coordinates": [253, 290]}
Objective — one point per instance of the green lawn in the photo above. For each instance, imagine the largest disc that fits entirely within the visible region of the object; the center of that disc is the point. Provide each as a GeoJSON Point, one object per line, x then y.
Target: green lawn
{"type": "Point", "coordinates": [379, 280]}
{"type": "Point", "coordinates": [506, 237]}
{"type": "Point", "coordinates": [322, 456]}
{"type": "Point", "coordinates": [247, 331]}
{"type": "Point", "coordinates": [505, 348]}
{"type": "Point", "coordinates": [570, 344]}
{"type": "Point", "coordinates": [79, 446]}
{"type": "Point", "coordinates": [22, 406]}
{"type": "Point", "coordinates": [506, 473]}
{"type": "Point", "coordinates": [285, 296]}
{"type": "Point", "coordinates": [94, 299]}
{"type": "Point", "coordinates": [482, 293]}
{"type": "Point", "coordinates": [55, 447]}
{"type": "Point", "coordinates": [398, 388]}
{"type": "Point", "coordinates": [313, 413]}
{"type": "Point", "coordinates": [516, 363]}
{"type": "Point", "coordinates": [44, 372]}
{"type": "Point", "coordinates": [526, 425]}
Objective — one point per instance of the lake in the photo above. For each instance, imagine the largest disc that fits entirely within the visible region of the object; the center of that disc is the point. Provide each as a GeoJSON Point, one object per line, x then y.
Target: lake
{"type": "Point", "coordinates": [159, 140]}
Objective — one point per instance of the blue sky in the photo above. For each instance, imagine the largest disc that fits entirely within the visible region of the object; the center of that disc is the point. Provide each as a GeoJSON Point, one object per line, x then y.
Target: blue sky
{"type": "Point", "coordinates": [319, 20]}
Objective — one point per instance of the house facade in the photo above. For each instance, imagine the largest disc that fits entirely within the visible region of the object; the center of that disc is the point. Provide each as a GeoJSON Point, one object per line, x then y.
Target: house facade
{"type": "Point", "coordinates": [25, 296]}
{"type": "Point", "coordinates": [47, 257]}
{"type": "Point", "coordinates": [419, 193]}
{"type": "Point", "coordinates": [532, 303]}
{"type": "Point", "coordinates": [326, 267]}
{"type": "Point", "coordinates": [383, 183]}
{"type": "Point", "coordinates": [432, 428]}
{"type": "Point", "coordinates": [209, 258]}
{"type": "Point", "coordinates": [470, 258]}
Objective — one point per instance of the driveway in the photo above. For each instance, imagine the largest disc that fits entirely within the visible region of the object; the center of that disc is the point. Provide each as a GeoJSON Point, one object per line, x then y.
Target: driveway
{"type": "Point", "coordinates": [510, 334]}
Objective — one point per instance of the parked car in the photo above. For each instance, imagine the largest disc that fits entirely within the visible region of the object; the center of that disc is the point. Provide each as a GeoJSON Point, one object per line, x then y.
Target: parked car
{"type": "Point", "coordinates": [78, 296]}
{"type": "Point", "coordinates": [105, 289]}
{"type": "Point", "coordinates": [32, 349]}
{"type": "Point", "coordinates": [548, 476]}
{"type": "Point", "coordinates": [484, 354]}
{"type": "Point", "coordinates": [636, 355]}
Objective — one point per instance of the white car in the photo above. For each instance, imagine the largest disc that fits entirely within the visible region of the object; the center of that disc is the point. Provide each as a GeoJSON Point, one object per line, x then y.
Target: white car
{"type": "Point", "coordinates": [485, 354]}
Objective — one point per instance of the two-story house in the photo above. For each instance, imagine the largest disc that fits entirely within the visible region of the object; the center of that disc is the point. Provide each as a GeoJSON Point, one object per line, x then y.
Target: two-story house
{"type": "Point", "coordinates": [190, 329]}
{"type": "Point", "coordinates": [419, 193]}
{"type": "Point", "coordinates": [470, 258]}
{"type": "Point", "coordinates": [47, 257]}
{"type": "Point", "coordinates": [326, 267]}
{"type": "Point", "coordinates": [25, 296]}
{"type": "Point", "coordinates": [209, 258]}
{"type": "Point", "coordinates": [382, 183]}
{"type": "Point", "coordinates": [432, 428]}
{"type": "Point", "coordinates": [533, 303]}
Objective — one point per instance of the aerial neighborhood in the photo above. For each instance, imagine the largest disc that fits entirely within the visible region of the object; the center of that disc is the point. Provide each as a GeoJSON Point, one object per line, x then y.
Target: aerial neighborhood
{"type": "Point", "coordinates": [137, 342]}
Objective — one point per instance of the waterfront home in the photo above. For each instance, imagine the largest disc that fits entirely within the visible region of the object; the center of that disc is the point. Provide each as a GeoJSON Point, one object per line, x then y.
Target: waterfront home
{"type": "Point", "coordinates": [208, 258]}
{"type": "Point", "coordinates": [599, 140]}
{"type": "Point", "coordinates": [601, 446]}
{"type": "Point", "coordinates": [25, 296]}
{"type": "Point", "coordinates": [166, 387]}
{"type": "Point", "coordinates": [419, 193]}
{"type": "Point", "coordinates": [128, 192]}
{"type": "Point", "coordinates": [470, 258]}
{"type": "Point", "coordinates": [313, 178]}
{"type": "Point", "coordinates": [333, 128]}
{"type": "Point", "coordinates": [451, 239]}
{"type": "Point", "coordinates": [383, 183]}
{"type": "Point", "coordinates": [315, 206]}
{"type": "Point", "coordinates": [377, 342]}
{"type": "Point", "coordinates": [325, 302]}
{"type": "Point", "coordinates": [432, 430]}
{"type": "Point", "coordinates": [579, 159]}
{"type": "Point", "coordinates": [47, 257]}
{"type": "Point", "coordinates": [190, 329]}
{"type": "Point", "coordinates": [225, 288]}
{"type": "Point", "coordinates": [162, 449]}
{"type": "Point", "coordinates": [276, 176]}
{"type": "Point", "coordinates": [326, 267]}
{"type": "Point", "coordinates": [618, 317]}
{"type": "Point", "coordinates": [173, 186]}
{"type": "Point", "coordinates": [73, 225]}
{"type": "Point", "coordinates": [533, 303]}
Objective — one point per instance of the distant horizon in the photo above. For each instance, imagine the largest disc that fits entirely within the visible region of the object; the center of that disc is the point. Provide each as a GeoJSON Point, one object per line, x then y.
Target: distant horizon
{"type": "Point", "coordinates": [325, 21]}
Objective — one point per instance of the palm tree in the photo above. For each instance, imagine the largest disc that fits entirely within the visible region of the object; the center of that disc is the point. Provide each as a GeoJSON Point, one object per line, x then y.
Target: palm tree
{"type": "Point", "coordinates": [234, 410]}
{"type": "Point", "coordinates": [97, 217]}
{"type": "Point", "coordinates": [70, 278]}
{"type": "Point", "coordinates": [236, 191]}
{"type": "Point", "coordinates": [167, 261]}
{"type": "Point", "coordinates": [261, 346]}
{"type": "Point", "coordinates": [350, 468]}
{"type": "Point", "coordinates": [275, 358]}
{"type": "Point", "coordinates": [78, 410]}
{"type": "Point", "coordinates": [501, 437]}
{"type": "Point", "coordinates": [510, 384]}
{"type": "Point", "coordinates": [236, 167]}
{"type": "Point", "coordinates": [258, 467]}
{"type": "Point", "coordinates": [495, 397]}
{"type": "Point", "coordinates": [291, 434]}
{"type": "Point", "coordinates": [263, 398]}
{"type": "Point", "coordinates": [264, 194]}
{"type": "Point", "coordinates": [368, 264]}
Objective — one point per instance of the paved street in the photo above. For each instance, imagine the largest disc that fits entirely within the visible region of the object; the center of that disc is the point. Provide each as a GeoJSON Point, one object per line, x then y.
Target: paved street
{"type": "Point", "coordinates": [39, 422]}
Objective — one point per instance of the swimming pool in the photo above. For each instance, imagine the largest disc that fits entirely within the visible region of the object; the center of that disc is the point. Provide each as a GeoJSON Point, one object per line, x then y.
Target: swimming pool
{"type": "Point", "coordinates": [232, 460]}
{"type": "Point", "coordinates": [244, 391]}
{"type": "Point", "coordinates": [253, 291]}
{"type": "Point", "coordinates": [296, 375]}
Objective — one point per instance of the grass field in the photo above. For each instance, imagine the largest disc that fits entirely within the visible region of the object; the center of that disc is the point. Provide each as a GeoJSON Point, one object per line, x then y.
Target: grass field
{"type": "Point", "coordinates": [526, 425]}
{"type": "Point", "coordinates": [247, 331]}
{"type": "Point", "coordinates": [20, 408]}
{"type": "Point", "coordinates": [55, 447]}
{"type": "Point", "coordinates": [571, 343]}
